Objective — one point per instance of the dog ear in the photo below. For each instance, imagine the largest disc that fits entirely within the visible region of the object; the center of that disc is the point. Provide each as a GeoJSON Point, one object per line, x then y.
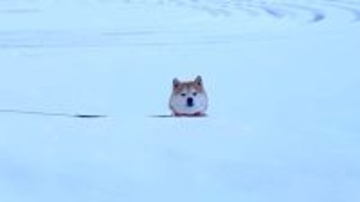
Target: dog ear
{"type": "Point", "coordinates": [198, 81]}
{"type": "Point", "coordinates": [176, 83]}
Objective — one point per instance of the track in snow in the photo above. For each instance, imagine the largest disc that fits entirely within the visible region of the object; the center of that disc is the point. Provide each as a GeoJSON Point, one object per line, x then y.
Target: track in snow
{"type": "Point", "coordinates": [291, 12]}
{"type": "Point", "coordinates": [310, 11]}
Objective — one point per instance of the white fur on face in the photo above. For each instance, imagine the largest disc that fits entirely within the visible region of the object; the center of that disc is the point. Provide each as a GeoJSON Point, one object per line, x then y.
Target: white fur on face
{"type": "Point", "coordinates": [178, 102]}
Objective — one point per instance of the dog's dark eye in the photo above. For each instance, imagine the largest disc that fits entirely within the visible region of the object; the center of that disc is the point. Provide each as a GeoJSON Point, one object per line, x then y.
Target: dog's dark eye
{"type": "Point", "coordinates": [183, 94]}
{"type": "Point", "coordinates": [194, 93]}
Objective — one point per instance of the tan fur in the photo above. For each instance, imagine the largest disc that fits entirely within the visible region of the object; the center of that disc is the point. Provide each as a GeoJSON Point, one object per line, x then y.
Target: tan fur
{"type": "Point", "coordinates": [188, 85]}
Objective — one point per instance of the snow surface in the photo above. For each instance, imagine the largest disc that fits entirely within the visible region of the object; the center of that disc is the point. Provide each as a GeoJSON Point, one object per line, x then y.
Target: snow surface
{"type": "Point", "coordinates": [283, 80]}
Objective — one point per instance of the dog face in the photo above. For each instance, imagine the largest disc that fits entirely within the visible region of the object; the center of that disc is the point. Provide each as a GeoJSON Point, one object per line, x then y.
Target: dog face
{"type": "Point", "coordinates": [188, 98]}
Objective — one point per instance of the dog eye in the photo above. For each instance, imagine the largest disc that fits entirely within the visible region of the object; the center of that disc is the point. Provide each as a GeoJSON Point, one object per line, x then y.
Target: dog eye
{"type": "Point", "coordinates": [194, 93]}
{"type": "Point", "coordinates": [183, 94]}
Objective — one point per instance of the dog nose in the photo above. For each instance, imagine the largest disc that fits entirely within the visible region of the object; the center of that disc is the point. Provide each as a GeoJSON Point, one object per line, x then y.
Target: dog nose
{"type": "Point", "coordinates": [190, 102]}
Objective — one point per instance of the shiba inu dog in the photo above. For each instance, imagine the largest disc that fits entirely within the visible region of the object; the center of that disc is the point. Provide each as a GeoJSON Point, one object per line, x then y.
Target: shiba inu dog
{"type": "Point", "coordinates": [188, 98]}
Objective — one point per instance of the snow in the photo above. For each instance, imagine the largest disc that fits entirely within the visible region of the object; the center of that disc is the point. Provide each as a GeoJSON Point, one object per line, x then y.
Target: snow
{"type": "Point", "coordinates": [282, 78]}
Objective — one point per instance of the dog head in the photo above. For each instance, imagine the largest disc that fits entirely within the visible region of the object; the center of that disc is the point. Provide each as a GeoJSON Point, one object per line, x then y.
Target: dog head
{"type": "Point", "coordinates": [188, 98]}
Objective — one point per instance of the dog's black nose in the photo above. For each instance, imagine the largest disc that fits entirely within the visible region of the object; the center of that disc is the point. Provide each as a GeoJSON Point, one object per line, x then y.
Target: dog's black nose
{"type": "Point", "coordinates": [190, 102]}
